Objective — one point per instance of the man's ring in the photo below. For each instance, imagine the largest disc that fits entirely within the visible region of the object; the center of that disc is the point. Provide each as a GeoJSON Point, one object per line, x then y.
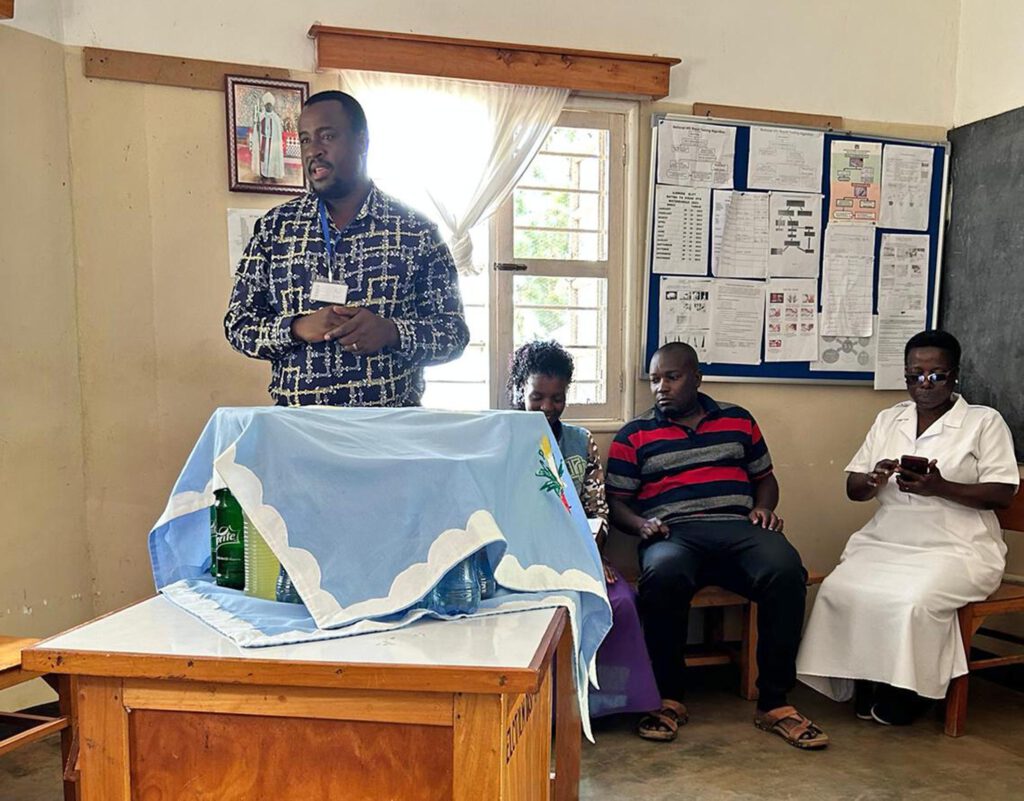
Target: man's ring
{"type": "Point", "coordinates": [355, 346]}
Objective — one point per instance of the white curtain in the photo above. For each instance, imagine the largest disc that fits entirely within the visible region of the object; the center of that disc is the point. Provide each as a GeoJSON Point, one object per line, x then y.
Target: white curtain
{"type": "Point", "coordinates": [453, 149]}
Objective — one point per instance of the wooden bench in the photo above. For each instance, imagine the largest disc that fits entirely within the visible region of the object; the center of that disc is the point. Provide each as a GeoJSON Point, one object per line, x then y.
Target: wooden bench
{"type": "Point", "coordinates": [715, 650]}
{"type": "Point", "coordinates": [1008, 598]}
{"type": "Point", "coordinates": [34, 727]}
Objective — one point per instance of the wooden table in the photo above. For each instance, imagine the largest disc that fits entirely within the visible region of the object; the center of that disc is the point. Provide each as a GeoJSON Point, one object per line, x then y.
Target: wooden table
{"type": "Point", "coordinates": [167, 708]}
{"type": "Point", "coordinates": [34, 727]}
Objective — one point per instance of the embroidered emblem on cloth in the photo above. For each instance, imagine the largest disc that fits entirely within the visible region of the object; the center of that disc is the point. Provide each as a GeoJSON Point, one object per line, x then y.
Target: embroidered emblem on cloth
{"type": "Point", "coordinates": [551, 473]}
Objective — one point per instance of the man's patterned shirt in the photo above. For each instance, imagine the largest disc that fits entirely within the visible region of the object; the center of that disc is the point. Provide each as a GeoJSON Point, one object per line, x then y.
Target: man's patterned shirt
{"type": "Point", "coordinates": [394, 263]}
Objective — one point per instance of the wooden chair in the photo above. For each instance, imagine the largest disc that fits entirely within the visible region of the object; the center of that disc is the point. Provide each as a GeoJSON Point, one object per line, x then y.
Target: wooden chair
{"type": "Point", "coordinates": [1008, 598]}
{"type": "Point", "coordinates": [715, 650]}
{"type": "Point", "coordinates": [36, 727]}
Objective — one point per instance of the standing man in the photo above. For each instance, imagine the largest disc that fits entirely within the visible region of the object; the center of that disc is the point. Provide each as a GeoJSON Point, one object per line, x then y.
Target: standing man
{"type": "Point", "coordinates": [268, 138]}
{"type": "Point", "coordinates": [347, 292]}
{"type": "Point", "coordinates": [693, 480]}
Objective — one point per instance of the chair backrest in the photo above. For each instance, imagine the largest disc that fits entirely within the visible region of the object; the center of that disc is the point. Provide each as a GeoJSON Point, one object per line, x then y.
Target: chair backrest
{"type": "Point", "coordinates": [1012, 518]}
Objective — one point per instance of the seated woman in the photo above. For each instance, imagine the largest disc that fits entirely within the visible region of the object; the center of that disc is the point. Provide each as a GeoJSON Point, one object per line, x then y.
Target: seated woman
{"type": "Point", "coordinates": [539, 378]}
{"type": "Point", "coordinates": [886, 616]}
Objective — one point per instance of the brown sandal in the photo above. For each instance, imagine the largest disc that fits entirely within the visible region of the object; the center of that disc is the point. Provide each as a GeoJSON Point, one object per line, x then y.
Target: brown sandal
{"type": "Point", "coordinates": [801, 732]}
{"type": "Point", "coordinates": [663, 725]}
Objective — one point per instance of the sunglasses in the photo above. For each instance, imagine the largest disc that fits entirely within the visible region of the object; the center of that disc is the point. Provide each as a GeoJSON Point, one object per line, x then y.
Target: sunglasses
{"type": "Point", "coordinates": [933, 378]}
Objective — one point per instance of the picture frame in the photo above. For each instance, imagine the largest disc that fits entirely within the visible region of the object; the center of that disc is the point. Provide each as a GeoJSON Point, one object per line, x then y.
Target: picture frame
{"type": "Point", "coordinates": [262, 134]}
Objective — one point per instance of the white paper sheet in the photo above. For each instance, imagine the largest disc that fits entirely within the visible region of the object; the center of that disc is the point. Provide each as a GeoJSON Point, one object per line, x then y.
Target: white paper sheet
{"type": "Point", "coordinates": [720, 202]}
{"type": "Point", "coordinates": [845, 354]}
{"type": "Point", "coordinates": [785, 158]}
{"type": "Point", "coordinates": [681, 219]}
{"type": "Point", "coordinates": [685, 312]}
{"type": "Point", "coordinates": [737, 321]}
{"type": "Point", "coordinates": [894, 329]}
{"type": "Point", "coordinates": [847, 278]}
{"type": "Point", "coordinates": [240, 226]}
{"type": "Point", "coordinates": [856, 188]}
{"type": "Point", "coordinates": [695, 154]}
{"type": "Point", "coordinates": [791, 320]}
{"type": "Point", "coordinates": [903, 273]}
{"type": "Point", "coordinates": [794, 231]}
{"type": "Point", "coordinates": [743, 250]}
{"type": "Point", "coordinates": [906, 187]}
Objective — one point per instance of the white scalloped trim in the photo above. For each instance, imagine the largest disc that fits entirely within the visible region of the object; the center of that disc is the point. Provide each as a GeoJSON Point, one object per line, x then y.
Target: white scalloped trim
{"type": "Point", "coordinates": [183, 503]}
{"type": "Point", "coordinates": [408, 587]}
{"type": "Point", "coordinates": [536, 578]}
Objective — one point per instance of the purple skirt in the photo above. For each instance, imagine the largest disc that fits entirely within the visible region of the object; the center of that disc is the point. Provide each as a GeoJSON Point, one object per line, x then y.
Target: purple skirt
{"type": "Point", "coordinates": [623, 667]}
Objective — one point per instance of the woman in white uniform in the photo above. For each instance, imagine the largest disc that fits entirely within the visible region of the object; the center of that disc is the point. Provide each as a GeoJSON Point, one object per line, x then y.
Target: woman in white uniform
{"type": "Point", "coordinates": [886, 616]}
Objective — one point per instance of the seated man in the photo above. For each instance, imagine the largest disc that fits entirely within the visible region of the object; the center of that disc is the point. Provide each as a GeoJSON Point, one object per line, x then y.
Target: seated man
{"type": "Point", "coordinates": [693, 479]}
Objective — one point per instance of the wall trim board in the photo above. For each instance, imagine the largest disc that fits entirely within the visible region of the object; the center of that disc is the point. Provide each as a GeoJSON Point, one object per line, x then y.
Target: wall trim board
{"type": "Point", "coordinates": [827, 121]}
{"type": "Point", "coordinates": [190, 73]}
{"type": "Point", "coordinates": [620, 74]}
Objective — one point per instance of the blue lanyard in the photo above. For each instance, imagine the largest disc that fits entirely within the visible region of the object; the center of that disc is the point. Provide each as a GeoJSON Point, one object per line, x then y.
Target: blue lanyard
{"type": "Point", "coordinates": [325, 229]}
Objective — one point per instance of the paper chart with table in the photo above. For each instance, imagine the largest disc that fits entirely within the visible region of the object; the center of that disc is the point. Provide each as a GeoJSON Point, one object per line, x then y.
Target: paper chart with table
{"type": "Point", "coordinates": [847, 277]}
{"type": "Point", "coordinates": [681, 219]}
{"type": "Point", "coordinates": [741, 243]}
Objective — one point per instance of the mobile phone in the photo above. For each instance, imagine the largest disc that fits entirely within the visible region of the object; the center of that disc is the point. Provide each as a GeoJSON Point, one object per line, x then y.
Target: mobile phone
{"type": "Point", "coordinates": [915, 464]}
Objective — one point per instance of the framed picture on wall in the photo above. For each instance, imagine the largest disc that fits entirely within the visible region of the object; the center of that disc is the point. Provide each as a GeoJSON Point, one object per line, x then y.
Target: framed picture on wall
{"type": "Point", "coordinates": [263, 134]}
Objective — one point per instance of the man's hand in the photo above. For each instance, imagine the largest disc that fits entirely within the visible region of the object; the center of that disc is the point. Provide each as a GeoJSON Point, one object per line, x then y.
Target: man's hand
{"type": "Point", "coordinates": [652, 529]}
{"type": "Point", "coordinates": [314, 327]}
{"type": "Point", "coordinates": [926, 484]}
{"type": "Point", "coordinates": [766, 518]}
{"type": "Point", "coordinates": [358, 330]}
{"type": "Point", "coordinates": [609, 574]}
{"type": "Point", "coordinates": [879, 477]}
{"type": "Point", "coordinates": [364, 332]}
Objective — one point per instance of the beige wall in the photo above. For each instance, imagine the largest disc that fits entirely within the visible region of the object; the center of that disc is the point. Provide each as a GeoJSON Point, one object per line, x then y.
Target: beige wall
{"type": "Point", "coordinates": [44, 576]}
{"type": "Point", "coordinates": [990, 59]}
{"type": "Point", "coordinates": [876, 59]}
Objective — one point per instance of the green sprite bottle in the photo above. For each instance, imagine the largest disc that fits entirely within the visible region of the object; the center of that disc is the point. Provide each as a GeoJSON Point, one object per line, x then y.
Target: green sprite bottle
{"type": "Point", "coordinates": [228, 541]}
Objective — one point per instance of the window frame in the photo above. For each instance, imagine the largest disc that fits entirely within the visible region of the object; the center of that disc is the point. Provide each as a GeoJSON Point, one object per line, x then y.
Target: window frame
{"type": "Point", "coordinates": [620, 118]}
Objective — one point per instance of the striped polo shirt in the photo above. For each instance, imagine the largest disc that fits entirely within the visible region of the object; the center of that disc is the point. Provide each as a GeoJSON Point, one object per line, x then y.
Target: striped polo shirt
{"type": "Point", "coordinates": [673, 472]}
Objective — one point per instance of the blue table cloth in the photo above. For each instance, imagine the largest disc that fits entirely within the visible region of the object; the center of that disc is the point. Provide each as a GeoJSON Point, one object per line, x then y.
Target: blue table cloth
{"type": "Point", "coordinates": [368, 508]}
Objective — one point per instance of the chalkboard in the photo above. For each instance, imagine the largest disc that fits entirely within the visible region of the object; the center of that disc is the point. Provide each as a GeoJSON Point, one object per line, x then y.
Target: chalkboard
{"type": "Point", "coordinates": [798, 372]}
{"type": "Point", "coordinates": [982, 295]}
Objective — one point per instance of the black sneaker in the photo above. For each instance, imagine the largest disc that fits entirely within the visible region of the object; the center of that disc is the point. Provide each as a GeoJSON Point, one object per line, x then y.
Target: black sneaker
{"type": "Point", "coordinates": [894, 706]}
{"type": "Point", "coordinates": [863, 698]}
{"type": "Point", "coordinates": [889, 715]}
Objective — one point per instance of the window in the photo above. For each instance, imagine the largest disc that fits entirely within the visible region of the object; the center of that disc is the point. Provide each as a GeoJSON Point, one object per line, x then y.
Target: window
{"type": "Point", "coordinates": [551, 264]}
{"type": "Point", "coordinates": [559, 259]}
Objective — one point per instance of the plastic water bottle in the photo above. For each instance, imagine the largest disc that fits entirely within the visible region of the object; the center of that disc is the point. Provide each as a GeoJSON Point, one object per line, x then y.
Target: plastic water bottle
{"type": "Point", "coordinates": [286, 592]}
{"type": "Point", "coordinates": [458, 593]}
{"type": "Point", "coordinates": [485, 574]}
{"type": "Point", "coordinates": [261, 566]}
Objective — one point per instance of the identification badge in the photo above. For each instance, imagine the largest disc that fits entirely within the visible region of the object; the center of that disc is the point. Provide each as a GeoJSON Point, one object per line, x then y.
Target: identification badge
{"type": "Point", "coordinates": [329, 292]}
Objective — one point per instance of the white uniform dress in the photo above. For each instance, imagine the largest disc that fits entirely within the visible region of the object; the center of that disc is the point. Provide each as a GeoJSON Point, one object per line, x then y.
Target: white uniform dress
{"type": "Point", "coordinates": [887, 613]}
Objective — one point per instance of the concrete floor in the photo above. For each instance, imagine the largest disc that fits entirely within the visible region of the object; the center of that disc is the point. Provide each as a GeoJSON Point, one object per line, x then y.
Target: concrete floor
{"type": "Point", "coordinates": [720, 756]}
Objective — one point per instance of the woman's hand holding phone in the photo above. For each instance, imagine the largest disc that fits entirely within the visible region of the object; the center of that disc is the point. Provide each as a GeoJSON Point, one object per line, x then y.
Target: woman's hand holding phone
{"type": "Point", "coordinates": [919, 476]}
